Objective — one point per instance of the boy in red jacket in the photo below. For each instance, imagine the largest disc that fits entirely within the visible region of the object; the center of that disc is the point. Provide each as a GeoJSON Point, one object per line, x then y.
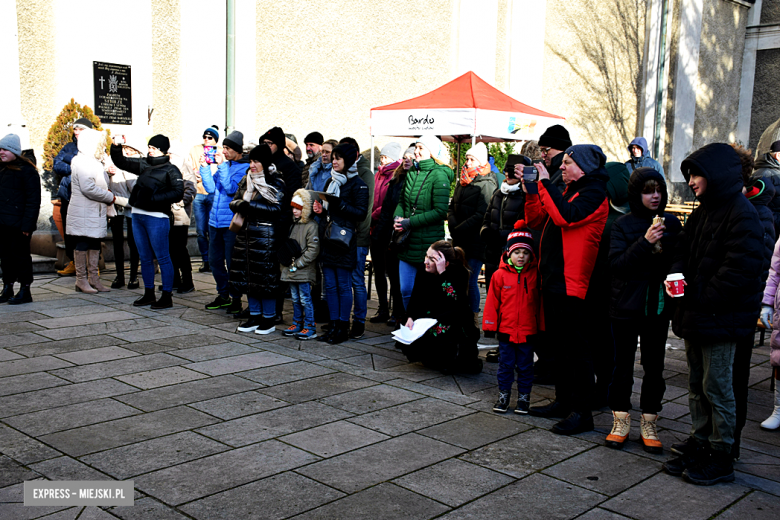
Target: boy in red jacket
{"type": "Point", "coordinates": [512, 310]}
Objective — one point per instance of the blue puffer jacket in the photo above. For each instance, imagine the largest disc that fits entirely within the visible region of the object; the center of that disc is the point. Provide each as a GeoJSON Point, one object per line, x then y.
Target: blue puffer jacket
{"type": "Point", "coordinates": [223, 183]}
{"type": "Point", "coordinates": [62, 168]}
{"type": "Point", "coordinates": [642, 162]}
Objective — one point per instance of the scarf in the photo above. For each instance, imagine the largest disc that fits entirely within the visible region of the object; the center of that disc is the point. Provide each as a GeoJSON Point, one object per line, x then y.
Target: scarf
{"type": "Point", "coordinates": [255, 182]}
{"type": "Point", "coordinates": [469, 174]}
{"type": "Point", "coordinates": [506, 189]}
{"type": "Point", "coordinates": [339, 179]}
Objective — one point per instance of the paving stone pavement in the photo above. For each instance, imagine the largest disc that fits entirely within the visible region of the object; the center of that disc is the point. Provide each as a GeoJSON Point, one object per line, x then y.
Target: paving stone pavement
{"type": "Point", "coordinates": [210, 423]}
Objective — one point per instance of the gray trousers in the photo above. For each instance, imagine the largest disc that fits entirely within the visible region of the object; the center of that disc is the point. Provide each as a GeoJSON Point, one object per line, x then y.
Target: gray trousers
{"type": "Point", "coordinates": [711, 395]}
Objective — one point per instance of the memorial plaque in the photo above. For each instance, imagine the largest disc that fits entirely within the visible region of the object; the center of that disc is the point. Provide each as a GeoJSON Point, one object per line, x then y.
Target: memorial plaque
{"type": "Point", "coordinates": [113, 99]}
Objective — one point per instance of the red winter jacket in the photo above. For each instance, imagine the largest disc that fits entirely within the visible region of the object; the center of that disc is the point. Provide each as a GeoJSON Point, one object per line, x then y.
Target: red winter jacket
{"type": "Point", "coordinates": [572, 224]}
{"type": "Point", "coordinates": [513, 303]}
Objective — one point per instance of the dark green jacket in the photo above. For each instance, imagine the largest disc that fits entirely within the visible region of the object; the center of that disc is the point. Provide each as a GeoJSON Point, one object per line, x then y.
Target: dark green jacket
{"type": "Point", "coordinates": [427, 224]}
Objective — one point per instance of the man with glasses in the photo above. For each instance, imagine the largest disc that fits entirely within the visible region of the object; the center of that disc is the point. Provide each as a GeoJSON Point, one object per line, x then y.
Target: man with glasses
{"type": "Point", "coordinates": [552, 143]}
{"type": "Point", "coordinates": [201, 207]}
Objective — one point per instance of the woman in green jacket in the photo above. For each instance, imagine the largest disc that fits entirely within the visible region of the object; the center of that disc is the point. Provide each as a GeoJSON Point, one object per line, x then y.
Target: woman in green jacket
{"type": "Point", "coordinates": [422, 208]}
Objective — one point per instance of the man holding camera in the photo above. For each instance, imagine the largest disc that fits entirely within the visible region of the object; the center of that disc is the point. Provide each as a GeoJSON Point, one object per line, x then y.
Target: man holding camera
{"type": "Point", "coordinates": [572, 225]}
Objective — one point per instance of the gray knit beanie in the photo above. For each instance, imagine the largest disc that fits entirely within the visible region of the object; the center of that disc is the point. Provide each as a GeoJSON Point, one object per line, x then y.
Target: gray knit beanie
{"type": "Point", "coordinates": [12, 143]}
{"type": "Point", "coordinates": [392, 150]}
{"type": "Point", "coordinates": [234, 141]}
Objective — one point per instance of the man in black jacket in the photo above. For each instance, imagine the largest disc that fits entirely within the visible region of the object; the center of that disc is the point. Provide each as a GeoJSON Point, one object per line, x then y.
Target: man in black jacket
{"type": "Point", "coordinates": [720, 254]}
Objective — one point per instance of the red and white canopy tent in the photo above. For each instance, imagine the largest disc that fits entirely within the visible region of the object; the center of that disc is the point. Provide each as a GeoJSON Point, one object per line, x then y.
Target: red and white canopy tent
{"type": "Point", "coordinates": [465, 109]}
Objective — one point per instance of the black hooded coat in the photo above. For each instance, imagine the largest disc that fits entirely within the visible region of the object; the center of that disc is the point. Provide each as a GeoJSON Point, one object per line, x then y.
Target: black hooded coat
{"type": "Point", "coordinates": [762, 203]}
{"type": "Point", "coordinates": [768, 168]}
{"type": "Point", "coordinates": [637, 272]}
{"type": "Point", "coordinates": [720, 252]}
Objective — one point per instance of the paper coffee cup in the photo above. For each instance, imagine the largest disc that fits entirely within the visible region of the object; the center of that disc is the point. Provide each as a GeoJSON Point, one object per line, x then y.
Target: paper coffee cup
{"type": "Point", "coordinates": [676, 284]}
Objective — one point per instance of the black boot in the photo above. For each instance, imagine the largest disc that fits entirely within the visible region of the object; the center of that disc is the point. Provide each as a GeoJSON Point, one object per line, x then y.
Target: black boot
{"type": "Point", "coordinates": [147, 299]}
{"type": "Point", "coordinates": [554, 410]}
{"type": "Point", "coordinates": [341, 333]}
{"type": "Point", "coordinates": [119, 281]}
{"type": "Point", "coordinates": [23, 296]}
{"type": "Point", "coordinates": [8, 292]}
{"type": "Point", "coordinates": [576, 422]}
{"type": "Point", "coordinates": [718, 468]}
{"type": "Point", "coordinates": [186, 286]}
{"type": "Point", "coordinates": [382, 314]}
{"type": "Point", "coordinates": [694, 453]}
{"type": "Point", "coordinates": [164, 302]}
{"type": "Point", "coordinates": [330, 331]}
{"type": "Point", "coordinates": [205, 268]}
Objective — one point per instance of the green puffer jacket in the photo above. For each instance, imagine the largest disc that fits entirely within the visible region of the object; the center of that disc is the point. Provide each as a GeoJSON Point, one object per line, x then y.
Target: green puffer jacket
{"type": "Point", "coordinates": [427, 224]}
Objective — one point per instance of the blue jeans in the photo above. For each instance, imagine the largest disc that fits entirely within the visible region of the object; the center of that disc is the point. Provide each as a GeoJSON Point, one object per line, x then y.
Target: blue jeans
{"type": "Point", "coordinates": [201, 207]}
{"type": "Point", "coordinates": [515, 357]}
{"type": "Point", "coordinates": [475, 266]}
{"type": "Point", "coordinates": [220, 252]}
{"type": "Point", "coordinates": [151, 239]}
{"type": "Point", "coordinates": [338, 292]}
{"type": "Point", "coordinates": [359, 286]}
{"type": "Point", "coordinates": [406, 274]}
{"type": "Point", "coordinates": [266, 307]}
{"type": "Point", "coordinates": [303, 310]}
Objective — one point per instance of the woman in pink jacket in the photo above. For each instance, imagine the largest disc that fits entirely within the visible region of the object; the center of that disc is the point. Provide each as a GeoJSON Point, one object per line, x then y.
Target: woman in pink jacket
{"type": "Point", "coordinates": [770, 316]}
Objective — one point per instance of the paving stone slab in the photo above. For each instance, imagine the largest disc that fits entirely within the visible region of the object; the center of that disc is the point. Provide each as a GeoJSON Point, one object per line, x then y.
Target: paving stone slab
{"type": "Point", "coordinates": [146, 509]}
{"type": "Point", "coordinates": [473, 431]}
{"type": "Point", "coordinates": [24, 448]}
{"type": "Point", "coordinates": [11, 473]}
{"type": "Point", "coordinates": [228, 365]}
{"type": "Point", "coordinates": [200, 339]}
{"type": "Point", "coordinates": [454, 482]}
{"type": "Point", "coordinates": [334, 438]}
{"type": "Point", "coordinates": [368, 466]}
{"type": "Point", "coordinates": [29, 383]}
{"type": "Point", "coordinates": [434, 392]}
{"type": "Point", "coordinates": [86, 319]}
{"type": "Point", "coordinates": [411, 416]}
{"type": "Point", "coordinates": [220, 350]}
{"type": "Point", "coordinates": [152, 334]}
{"type": "Point", "coordinates": [527, 452]}
{"type": "Point", "coordinates": [68, 307]}
{"type": "Point", "coordinates": [382, 502]}
{"type": "Point", "coordinates": [7, 355]}
{"type": "Point", "coordinates": [666, 493]}
{"type": "Point", "coordinates": [20, 512]}
{"type": "Point", "coordinates": [767, 486]}
{"type": "Point", "coordinates": [540, 496]}
{"type": "Point", "coordinates": [97, 355]}
{"type": "Point", "coordinates": [370, 399]}
{"type": "Point", "coordinates": [328, 351]}
{"type": "Point", "coordinates": [61, 396]}
{"type": "Point", "coordinates": [604, 470]}
{"type": "Point", "coordinates": [118, 367]}
{"type": "Point", "coordinates": [46, 347]}
{"type": "Point", "coordinates": [755, 506]}
{"type": "Point", "coordinates": [601, 514]}
{"type": "Point", "coordinates": [317, 387]}
{"type": "Point", "coordinates": [238, 405]}
{"type": "Point", "coordinates": [161, 377]}
{"type": "Point", "coordinates": [373, 361]}
{"type": "Point", "coordinates": [70, 416]}
{"type": "Point", "coordinates": [272, 498]}
{"type": "Point", "coordinates": [98, 329]}
{"type": "Point", "coordinates": [286, 373]}
{"type": "Point", "coordinates": [210, 475]}
{"type": "Point", "coordinates": [367, 373]}
{"type": "Point", "coordinates": [66, 468]}
{"type": "Point", "coordinates": [30, 365]}
{"type": "Point", "coordinates": [274, 423]}
{"type": "Point", "coordinates": [185, 393]}
{"type": "Point", "coordinates": [147, 456]}
{"type": "Point", "coordinates": [120, 432]}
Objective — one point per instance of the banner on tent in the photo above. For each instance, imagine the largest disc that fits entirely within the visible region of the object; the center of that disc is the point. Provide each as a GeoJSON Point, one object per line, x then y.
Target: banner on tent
{"type": "Point", "coordinates": [454, 121]}
{"type": "Point", "coordinates": [512, 125]}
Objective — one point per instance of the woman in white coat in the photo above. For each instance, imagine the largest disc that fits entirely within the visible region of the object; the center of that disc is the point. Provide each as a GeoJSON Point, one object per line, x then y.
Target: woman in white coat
{"type": "Point", "coordinates": [89, 203]}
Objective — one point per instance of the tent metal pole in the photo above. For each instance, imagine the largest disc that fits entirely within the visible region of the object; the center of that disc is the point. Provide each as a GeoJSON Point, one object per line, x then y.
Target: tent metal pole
{"type": "Point", "coordinates": [372, 152]}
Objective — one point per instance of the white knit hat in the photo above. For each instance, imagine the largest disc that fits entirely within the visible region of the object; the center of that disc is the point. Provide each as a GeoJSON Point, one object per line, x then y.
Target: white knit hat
{"type": "Point", "coordinates": [435, 146]}
{"type": "Point", "coordinates": [479, 152]}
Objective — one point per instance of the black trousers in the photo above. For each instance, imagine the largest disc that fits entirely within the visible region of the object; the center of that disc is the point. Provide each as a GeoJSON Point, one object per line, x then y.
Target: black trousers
{"type": "Point", "coordinates": [652, 331]}
{"type": "Point", "coordinates": [569, 337]}
{"type": "Point", "coordinates": [70, 244]}
{"type": "Point", "coordinates": [180, 257]}
{"type": "Point", "coordinates": [15, 259]}
{"type": "Point", "coordinates": [386, 264]}
{"type": "Point", "coordinates": [117, 231]}
{"type": "Point", "coordinates": [81, 243]}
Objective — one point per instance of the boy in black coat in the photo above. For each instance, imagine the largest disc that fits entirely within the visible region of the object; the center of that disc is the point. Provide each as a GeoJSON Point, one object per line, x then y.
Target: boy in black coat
{"type": "Point", "coordinates": [721, 256]}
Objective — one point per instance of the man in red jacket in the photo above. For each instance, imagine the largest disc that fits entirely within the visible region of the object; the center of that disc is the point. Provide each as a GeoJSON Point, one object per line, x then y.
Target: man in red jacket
{"type": "Point", "coordinates": [572, 224]}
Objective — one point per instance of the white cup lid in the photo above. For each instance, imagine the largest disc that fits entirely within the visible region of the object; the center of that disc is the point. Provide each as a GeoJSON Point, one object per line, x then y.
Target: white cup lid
{"type": "Point", "coordinates": [675, 276]}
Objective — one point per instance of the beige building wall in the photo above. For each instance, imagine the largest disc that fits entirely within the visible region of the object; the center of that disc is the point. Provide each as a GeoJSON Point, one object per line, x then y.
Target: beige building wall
{"type": "Point", "coordinates": [166, 68]}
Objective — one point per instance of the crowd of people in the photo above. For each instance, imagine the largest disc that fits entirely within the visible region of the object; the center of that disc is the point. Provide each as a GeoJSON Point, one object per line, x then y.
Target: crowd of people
{"type": "Point", "coordinates": [582, 262]}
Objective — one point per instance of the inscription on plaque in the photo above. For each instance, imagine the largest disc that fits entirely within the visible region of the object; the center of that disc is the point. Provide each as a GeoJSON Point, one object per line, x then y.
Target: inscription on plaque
{"type": "Point", "coordinates": [113, 99]}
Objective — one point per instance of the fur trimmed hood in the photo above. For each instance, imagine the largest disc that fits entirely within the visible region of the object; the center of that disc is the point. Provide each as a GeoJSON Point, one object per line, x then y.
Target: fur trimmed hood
{"type": "Point", "coordinates": [306, 197]}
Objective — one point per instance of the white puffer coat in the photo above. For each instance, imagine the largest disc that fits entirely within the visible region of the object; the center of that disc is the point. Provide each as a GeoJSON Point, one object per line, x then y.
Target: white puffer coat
{"type": "Point", "coordinates": [89, 184]}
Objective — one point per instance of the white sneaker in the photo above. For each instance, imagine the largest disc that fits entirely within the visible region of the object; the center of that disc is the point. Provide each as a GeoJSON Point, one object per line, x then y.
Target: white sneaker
{"type": "Point", "coordinates": [773, 421]}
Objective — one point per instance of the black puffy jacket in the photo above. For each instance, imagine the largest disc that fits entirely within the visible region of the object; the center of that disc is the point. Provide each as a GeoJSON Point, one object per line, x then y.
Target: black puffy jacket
{"type": "Point", "coordinates": [383, 229]}
{"type": "Point", "coordinates": [499, 220]}
{"type": "Point", "coordinates": [20, 196]}
{"type": "Point", "coordinates": [720, 253]}
{"type": "Point", "coordinates": [159, 182]}
{"type": "Point", "coordinates": [467, 211]}
{"type": "Point", "coordinates": [350, 210]}
{"type": "Point", "coordinates": [768, 168]}
{"type": "Point", "coordinates": [254, 268]}
{"type": "Point", "coordinates": [761, 202]}
{"type": "Point", "coordinates": [637, 272]}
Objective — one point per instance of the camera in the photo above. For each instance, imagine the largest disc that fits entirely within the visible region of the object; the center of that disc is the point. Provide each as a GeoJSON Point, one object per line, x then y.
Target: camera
{"type": "Point", "coordinates": [530, 173]}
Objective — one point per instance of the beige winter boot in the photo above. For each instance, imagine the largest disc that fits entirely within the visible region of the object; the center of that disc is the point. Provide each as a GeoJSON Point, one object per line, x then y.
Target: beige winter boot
{"type": "Point", "coordinates": [94, 273]}
{"type": "Point", "coordinates": [648, 426]}
{"type": "Point", "coordinates": [621, 426]}
{"type": "Point", "coordinates": [80, 261]}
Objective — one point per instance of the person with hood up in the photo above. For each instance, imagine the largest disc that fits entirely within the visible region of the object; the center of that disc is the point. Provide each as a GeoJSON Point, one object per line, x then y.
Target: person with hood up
{"type": "Point", "coordinates": [640, 156]}
{"type": "Point", "coordinates": [767, 167]}
{"type": "Point", "coordinates": [254, 267]}
{"type": "Point", "coordinates": [720, 254]}
{"type": "Point", "coordinates": [346, 206]}
{"type": "Point", "coordinates": [640, 254]}
{"type": "Point", "coordinates": [20, 204]}
{"type": "Point", "coordinates": [389, 160]}
{"type": "Point", "coordinates": [552, 144]}
{"type": "Point", "coordinates": [62, 167]}
{"type": "Point", "coordinates": [159, 185]}
{"type": "Point", "coordinates": [572, 225]}
{"type": "Point", "coordinates": [422, 208]}
{"type": "Point", "coordinates": [469, 203]}
{"type": "Point", "coordinates": [232, 166]}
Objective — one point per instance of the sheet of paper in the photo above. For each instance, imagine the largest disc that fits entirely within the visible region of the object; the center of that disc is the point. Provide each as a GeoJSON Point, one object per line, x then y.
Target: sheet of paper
{"type": "Point", "coordinates": [408, 336]}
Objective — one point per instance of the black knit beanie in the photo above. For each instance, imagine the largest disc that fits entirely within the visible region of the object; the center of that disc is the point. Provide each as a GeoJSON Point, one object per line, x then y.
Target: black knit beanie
{"type": "Point", "coordinates": [262, 154]}
{"type": "Point", "coordinates": [347, 152]}
{"type": "Point", "coordinates": [555, 137]}
{"type": "Point", "coordinates": [160, 142]}
{"type": "Point", "coordinates": [314, 137]}
{"type": "Point", "coordinates": [83, 122]}
{"type": "Point", "coordinates": [276, 136]}
{"type": "Point", "coordinates": [235, 141]}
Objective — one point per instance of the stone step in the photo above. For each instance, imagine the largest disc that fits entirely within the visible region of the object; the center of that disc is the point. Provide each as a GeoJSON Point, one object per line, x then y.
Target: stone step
{"type": "Point", "coordinates": [42, 264]}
